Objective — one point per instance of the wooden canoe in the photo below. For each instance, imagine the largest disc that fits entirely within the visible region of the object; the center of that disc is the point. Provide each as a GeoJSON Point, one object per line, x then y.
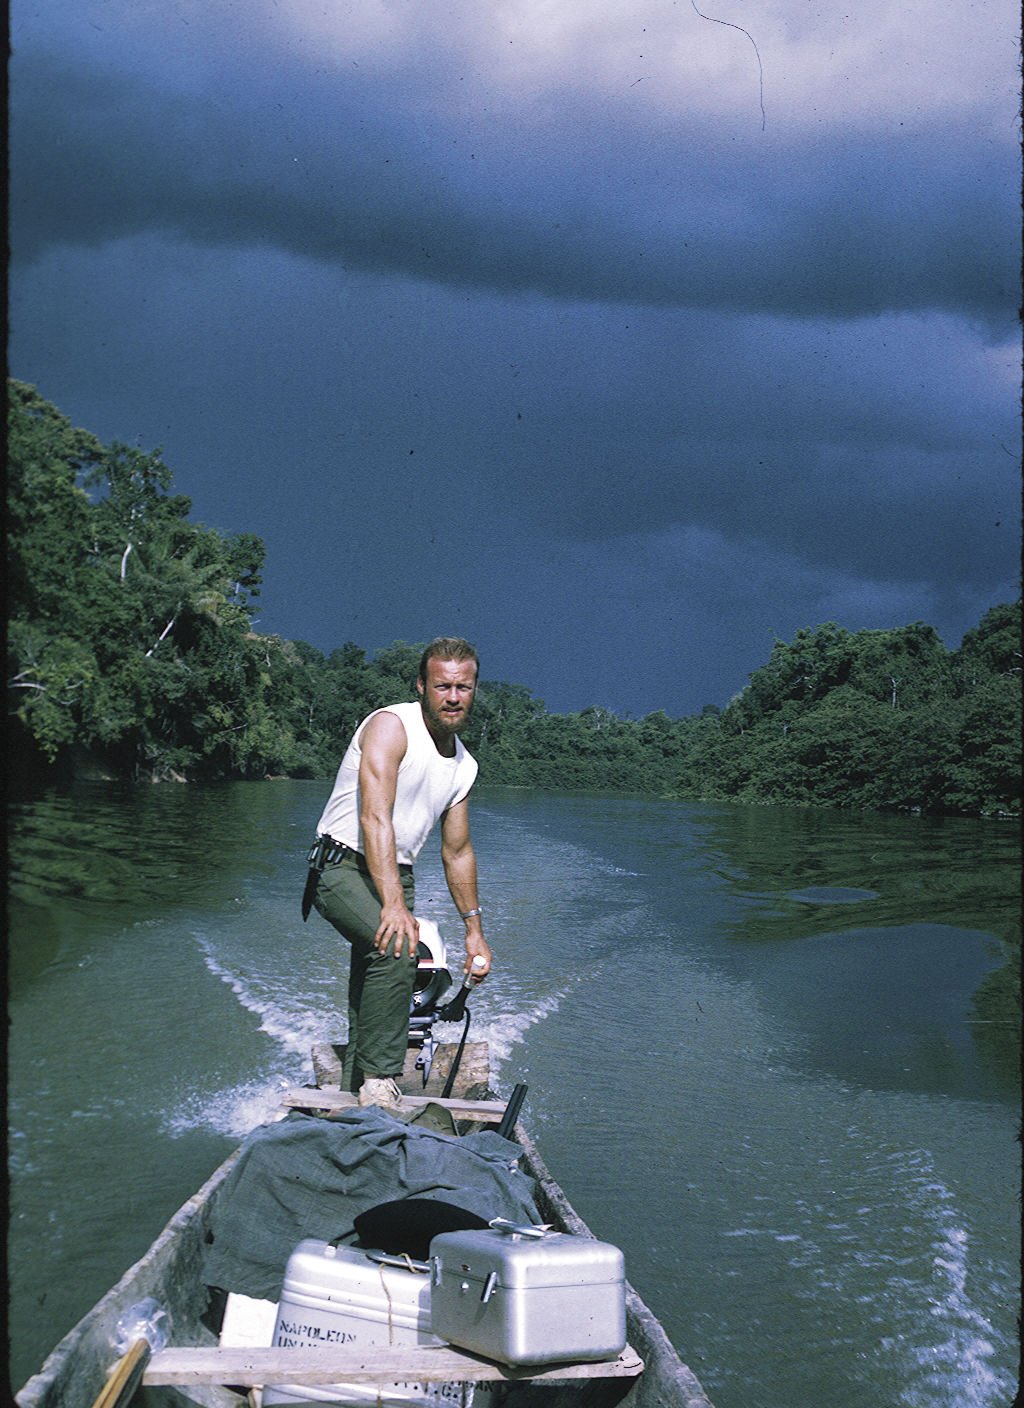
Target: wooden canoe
{"type": "Point", "coordinates": [82, 1371]}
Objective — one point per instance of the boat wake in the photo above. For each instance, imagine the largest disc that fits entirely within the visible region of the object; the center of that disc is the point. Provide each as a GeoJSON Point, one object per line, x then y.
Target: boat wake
{"type": "Point", "coordinates": [234, 1111]}
{"type": "Point", "coordinates": [949, 1353]}
{"type": "Point", "coordinates": [505, 1030]}
{"type": "Point", "coordinates": [942, 1350]}
{"type": "Point", "coordinates": [294, 1022]}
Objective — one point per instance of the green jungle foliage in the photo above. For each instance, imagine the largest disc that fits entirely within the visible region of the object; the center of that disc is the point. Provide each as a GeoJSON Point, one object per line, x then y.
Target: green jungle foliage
{"type": "Point", "coordinates": [131, 648]}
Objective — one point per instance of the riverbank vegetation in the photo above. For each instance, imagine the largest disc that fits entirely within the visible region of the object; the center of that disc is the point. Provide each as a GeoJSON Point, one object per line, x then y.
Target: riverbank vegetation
{"type": "Point", "coordinates": [131, 650]}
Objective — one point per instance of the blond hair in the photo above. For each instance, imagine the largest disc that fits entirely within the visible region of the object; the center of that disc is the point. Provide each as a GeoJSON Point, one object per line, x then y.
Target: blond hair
{"type": "Point", "coordinates": [447, 648]}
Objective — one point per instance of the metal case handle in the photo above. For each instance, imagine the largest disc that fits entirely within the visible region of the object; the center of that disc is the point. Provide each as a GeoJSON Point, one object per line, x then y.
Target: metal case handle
{"type": "Point", "coordinates": [405, 1263]}
{"type": "Point", "coordinates": [520, 1229]}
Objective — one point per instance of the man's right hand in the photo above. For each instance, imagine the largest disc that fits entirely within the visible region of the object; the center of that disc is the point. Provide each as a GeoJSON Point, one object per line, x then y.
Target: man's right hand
{"type": "Point", "coordinates": [398, 930]}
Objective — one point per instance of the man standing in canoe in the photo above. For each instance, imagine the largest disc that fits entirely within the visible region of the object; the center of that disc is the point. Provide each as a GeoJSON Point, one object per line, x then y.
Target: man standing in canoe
{"type": "Point", "coordinates": [404, 769]}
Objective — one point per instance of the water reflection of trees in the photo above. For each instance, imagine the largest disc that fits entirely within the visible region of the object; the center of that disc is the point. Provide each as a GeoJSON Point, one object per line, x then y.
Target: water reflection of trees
{"type": "Point", "coordinates": [949, 871]}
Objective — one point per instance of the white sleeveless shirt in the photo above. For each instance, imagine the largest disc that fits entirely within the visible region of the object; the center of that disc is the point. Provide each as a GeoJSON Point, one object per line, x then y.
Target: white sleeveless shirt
{"type": "Point", "coordinates": [428, 784]}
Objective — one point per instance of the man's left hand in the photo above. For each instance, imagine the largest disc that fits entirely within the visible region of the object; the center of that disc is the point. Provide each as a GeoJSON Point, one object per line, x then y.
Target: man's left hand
{"type": "Point", "coordinates": [476, 947]}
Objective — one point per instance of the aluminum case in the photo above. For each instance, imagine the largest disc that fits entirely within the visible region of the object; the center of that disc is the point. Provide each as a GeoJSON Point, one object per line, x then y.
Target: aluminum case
{"type": "Point", "coordinates": [528, 1296]}
{"type": "Point", "coordinates": [344, 1295]}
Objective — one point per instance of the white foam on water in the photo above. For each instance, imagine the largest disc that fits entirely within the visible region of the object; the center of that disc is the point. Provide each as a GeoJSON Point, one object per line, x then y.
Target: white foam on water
{"type": "Point", "coordinates": [880, 1252]}
{"type": "Point", "coordinates": [294, 1025]}
{"type": "Point", "coordinates": [233, 1112]}
{"type": "Point", "coordinates": [19, 1160]}
{"type": "Point", "coordinates": [946, 1352]}
{"type": "Point", "coordinates": [955, 1369]}
{"type": "Point", "coordinates": [504, 1031]}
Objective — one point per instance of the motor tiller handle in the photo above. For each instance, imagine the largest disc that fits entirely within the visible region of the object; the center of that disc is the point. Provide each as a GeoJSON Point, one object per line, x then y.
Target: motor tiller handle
{"type": "Point", "coordinates": [455, 1010]}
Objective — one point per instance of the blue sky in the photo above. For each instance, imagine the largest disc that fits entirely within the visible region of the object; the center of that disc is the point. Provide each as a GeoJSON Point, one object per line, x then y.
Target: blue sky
{"type": "Point", "coordinates": [622, 339]}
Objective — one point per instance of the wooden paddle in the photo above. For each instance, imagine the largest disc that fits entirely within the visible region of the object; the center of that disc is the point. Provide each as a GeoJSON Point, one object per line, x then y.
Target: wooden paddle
{"type": "Point", "coordinates": [120, 1388]}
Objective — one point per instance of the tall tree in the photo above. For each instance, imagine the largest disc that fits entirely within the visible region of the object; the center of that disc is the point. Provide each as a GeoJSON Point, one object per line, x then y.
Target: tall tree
{"type": "Point", "coordinates": [52, 668]}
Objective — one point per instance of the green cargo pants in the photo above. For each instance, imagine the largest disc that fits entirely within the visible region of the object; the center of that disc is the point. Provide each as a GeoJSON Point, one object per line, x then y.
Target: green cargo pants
{"type": "Point", "coordinates": [380, 987]}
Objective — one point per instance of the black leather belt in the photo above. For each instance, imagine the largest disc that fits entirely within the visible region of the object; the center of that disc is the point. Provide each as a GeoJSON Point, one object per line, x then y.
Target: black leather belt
{"type": "Point", "coordinates": [326, 851]}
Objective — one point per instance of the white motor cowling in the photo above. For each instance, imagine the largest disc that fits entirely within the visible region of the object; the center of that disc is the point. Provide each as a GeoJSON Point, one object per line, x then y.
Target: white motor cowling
{"type": "Point", "coordinates": [432, 976]}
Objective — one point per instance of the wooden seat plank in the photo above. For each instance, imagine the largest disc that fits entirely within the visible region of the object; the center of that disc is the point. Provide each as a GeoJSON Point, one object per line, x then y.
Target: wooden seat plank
{"type": "Point", "coordinates": [326, 1364]}
{"type": "Point", "coordinates": [307, 1098]}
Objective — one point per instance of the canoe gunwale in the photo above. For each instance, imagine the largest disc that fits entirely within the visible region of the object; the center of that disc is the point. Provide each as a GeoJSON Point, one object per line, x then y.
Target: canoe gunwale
{"type": "Point", "coordinates": [93, 1335]}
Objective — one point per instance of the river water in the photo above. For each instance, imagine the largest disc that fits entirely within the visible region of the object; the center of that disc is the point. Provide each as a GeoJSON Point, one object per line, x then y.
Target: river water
{"type": "Point", "coordinates": [748, 1035]}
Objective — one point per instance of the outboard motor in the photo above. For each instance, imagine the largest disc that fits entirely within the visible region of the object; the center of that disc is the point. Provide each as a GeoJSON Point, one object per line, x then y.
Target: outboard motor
{"type": "Point", "coordinates": [431, 983]}
{"type": "Point", "coordinates": [432, 979]}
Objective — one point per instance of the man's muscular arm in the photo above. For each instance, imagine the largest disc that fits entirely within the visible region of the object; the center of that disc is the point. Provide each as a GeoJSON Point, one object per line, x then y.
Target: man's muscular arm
{"type": "Point", "coordinates": [459, 860]}
{"type": "Point", "coordinates": [383, 746]}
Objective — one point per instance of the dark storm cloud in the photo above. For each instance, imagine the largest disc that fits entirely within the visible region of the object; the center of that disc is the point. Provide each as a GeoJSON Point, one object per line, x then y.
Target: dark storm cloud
{"type": "Point", "coordinates": [592, 363]}
{"type": "Point", "coordinates": [595, 206]}
{"type": "Point", "coordinates": [877, 517]}
{"type": "Point", "coordinates": [883, 450]}
{"type": "Point", "coordinates": [886, 448]}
